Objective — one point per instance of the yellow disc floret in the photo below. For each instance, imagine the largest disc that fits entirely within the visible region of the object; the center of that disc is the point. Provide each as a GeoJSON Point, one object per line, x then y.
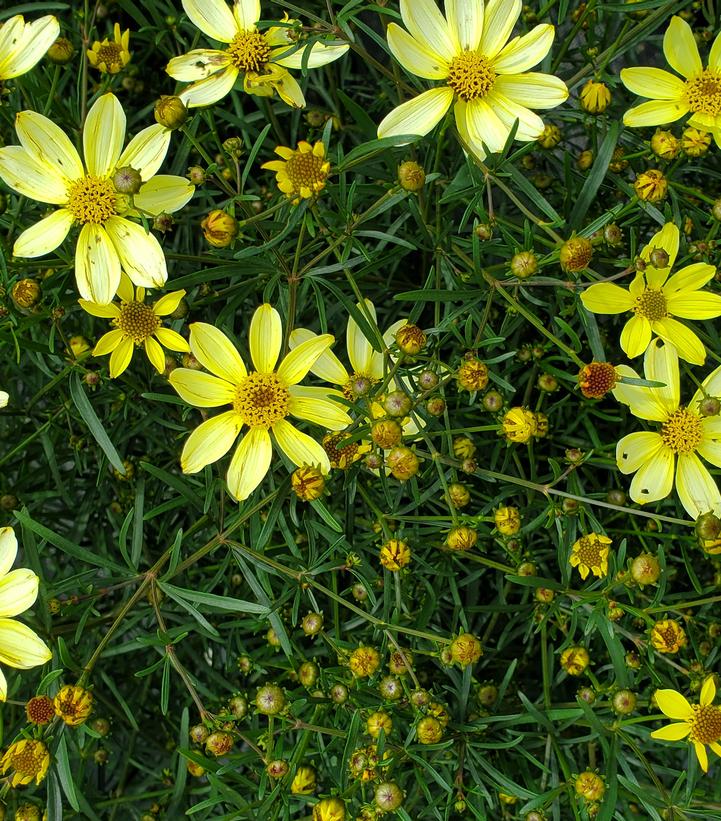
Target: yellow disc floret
{"type": "Point", "coordinates": [261, 399]}
{"type": "Point", "coordinates": [471, 75]}
{"type": "Point", "coordinates": [705, 724]}
{"type": "Point", "coordinates": [92, 199]}
{"type": "Point", "coordinates": [249, 51]}
{"type": "Point", "coordinates": [651, 304]}
{"type": "Point", "coordinates": [703, 93]}
{"type": "Point", "coordinates": [138, 321]}
{"type": "Point", "coordinates": [682, 431]}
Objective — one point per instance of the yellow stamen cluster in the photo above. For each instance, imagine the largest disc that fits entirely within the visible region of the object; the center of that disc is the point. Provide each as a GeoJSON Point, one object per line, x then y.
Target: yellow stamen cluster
{"type": "Point", "coordinates": [137, 320]}
{"type": "Point", "coordinates": [249, 51]}
{"type": "Point", "coordinates": [28, 759]}
{"type": "Point", "coordinates": [341, 457]}
{"type": "Point", "coordinates": [682, 431]}
{"type": "Point", "coordinates": [92, 199]}
{"type": "Point", "coordinates": [591, 551]}
{"type": "Point", "coordinates": [596, 379]}
{"type": "Point", "coordinates": [667, 636]}
{"type": "Point", "coordinates": [471, 75]}
{"type": "Point", "coordinates": [705, 724]}
{"type": "Point", "coordinates": [703, 93]}
{"type": "Point", "coordinates": [261, 399]}
{"type": "Point", "coordinates": [651, 304]}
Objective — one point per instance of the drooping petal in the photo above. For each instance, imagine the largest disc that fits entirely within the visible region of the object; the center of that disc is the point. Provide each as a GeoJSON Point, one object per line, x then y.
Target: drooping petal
{"type": "Point", "coordinates": [212, 17]}
{"type": "Point", "coordinates": [265, 338]}
{"type": "Point", "coordinates": [108, 342]}
{"type": "Point", "coordinates": [643, 402]}
{"type": "Point", "coordinates": [247, 13]}
{"type": "Point", "coordinates": [250, 463]}
{"type": "Point", "coordinates": [697, 491]}
{"type": "Point", "coordinates": [155, 354]}
{"type": "Point", "coordinates": [661, 365]}
{"type": "Point", "coordinates": [312, 56]}
{"type": "Point", "coordinates": [673, 704]}
{"type": "Point", "coordinates": [209, 91]}
{"type": "Point", "coordinates": [317, 408]}
{"type": "Point", "coordinates": [212, 348]}
{"type": "Point", "coordinates": [8, 549]}
{"type": "Point", "coordinates": [419, 115]}
{"type": "Point", "coordinates": [500, 18]}
{"type": "Point", "coordinates": [139, 252]}
{"type": "Point", "coordinates": [680, 49]}
{"type": "Point", "coordinates": [654, 479]}
{"type": "Point", "coordinates": [48, 144]}
{"type": "Point", "coordinates": [202, 390]}
{"type": "Point", "coordinates": [484, 125]}
{"type": "Point", "coordinates": [197, 64]}
{"type": "Point", "coordinates": [301, 359]}
{"type": "Point", "coordinates": [466, 20]}
{"type": "Point", "coordinates": [635, 336]}
{"type": "Point", "coordinates": [30, 47]}
{"type": "Point", "coordinates": [172, 339]}
{"type": "Point", "coordinates": [637, 448]}
{"type": "Point", "coordinates": [103, 135]}
{"type": "Point", "coordinates": [424, 21]}
{"type": "Point", "coordinates": [168, 303]}
{"type": "Point", "coordinates": [695, 305]}
{"type": "Point", "coordinates": [654, 83]}
{"type": "Point", "coordinates": [20, 647]}
{"type": "Point", "coordinates": [360, 350]}
{"type": "Point", "coordinates": [146, 151]}
{"type": "Point", "coordinates": [708, 692]}
{"type": "Point", "coordinates": [328, 367]}
{"type": "Point", "coordinates": [530, 125]}
{"type": "Point", "coordinates": [606, 298]}
{"type": "Point", "coordinates": [23, 173]}
{"type": "Point", "coordinates": [120, 358]}
{"type": "Point", "coordinates": [525, 52]}
{"type": "Point", "coordinates": [163, 193]}
{"type": "Point", "coordinates": [300, 448]}
{"type": "Point", "coordinates": [689, 346]}
{"type": "Point", "coordinates": [210, 441]}
{"type": "Point", "coordinates": [672, 732]}
{"type": "Point", "coordinates": [44, 236]}
{"type": "Point", "coordinates": [97, 265]}
{"type": "Point", "coordinates": [702, 755]}
{"type": "Point", "coordinates": [654, 112]}
{"type": "Point", "coordinates": [532, 90]}
{"type": "Point", "coordinates": [109, 311]}
{"type": "Point", "coordinates": [689, 279]}
{"type": "Point", "coordinates": [414, 56]}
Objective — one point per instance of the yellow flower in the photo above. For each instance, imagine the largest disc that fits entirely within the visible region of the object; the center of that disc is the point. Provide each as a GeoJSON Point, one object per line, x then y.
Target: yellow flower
{"type": "Point", "coordinates": [23, 45]}
{"type": "Point", "coordinates": [700, 723]}
{"type": "Point", "coordinates": [667, 636]}
{"type": "Point", "coordinates": [575, 660]}
{"type": "Point", "coordinates": [111, 56]}
{"type": "Point", "coordinates": [136, 324]}
{"type": "Point", "coordinates": [694, 142]}
{"type": "Point", "coordinates": [669, 96]}
{"type": "Point", "coordinates": [261, 399]}
{"type": "Point", "coordinates": [651, 185]}
{"type": "Point", "coordinates": [29, 760]}
{"type": "Point", "coordinates": [395, 554]}
{"type": "Point", "coordinates": [590, 786]}
{"type": "Point", "coordinates": [684, 434]}
{"type": "Point", "coordinates": [364, 661]}
{"type": "Point", "coordinates": [329, 809]}
{"type": "Point", "coordinates": [482, 73]}
{"type": "Point", "coordinates": [590, 555]}
{"type": "Point", "coordinates": [4, 399]}
{"type": "Point", "coordinates": [262, 58]}
{"type": "Point", "coordinates": [73, 704]}
{"type": "Point", "coordinates": [301, 173]}
{"type": "Point", "coordinates": [343, 457]}
{"type": "Point", "coordinates": [654, 298]}
{"type": "Point", "coordinates": [507, 520]}
{"type": "Point", "coordinates": [304, 781]}
{"type": "Point", "coordinates": [519, 425]}
{"type": "Point", "coordinates": [20, 647]}
{"type": "Point", "coordinates": [595, 97]}
{"type": "Point", "coordinates": [47, 168]}
{"type": "Point", "coordinates": [596, 379]}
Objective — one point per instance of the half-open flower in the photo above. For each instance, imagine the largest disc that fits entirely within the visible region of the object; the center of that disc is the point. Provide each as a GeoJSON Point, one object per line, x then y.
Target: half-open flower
{"type": "Point", "coordinates": [23, 45]}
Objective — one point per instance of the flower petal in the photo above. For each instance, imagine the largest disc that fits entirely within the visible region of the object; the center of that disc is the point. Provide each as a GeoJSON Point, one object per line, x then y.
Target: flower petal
{"type": "Point", "coordinates": [168, 303]}
{"type": "Point", "coordinates": [97, 266]}
{"type": "Point", "coordinates": [155, 354]}
{"type": "Point", "coordinates": [466, 20]}
{"type": "Point", "coordinates": [247, 13]}
{"type": "Point", "coordinates": [163, 193]}
{"type": "Point", "coordinates": [643, 402]}
{"type": "Point", "coordinates": [672, 732]}
{"type": "Point", "coordinates": [635, 336]}
{"type": "Point", "coordinates": [139, 252]}
{"type": "Point", "coordinates": [20, 647]}
{"type": "Point", "coordinates": [212, 17]}
{"type": "Point", "coordinates": [108, 342]}
{"type": "Point", "coordinates": [120, 358]}
{"type": "Point", "coordinates": [680, 49]}
{"type": "Point", "coordinates": [312, 56]}
{"type": "Point", "coordinates": [250, 463]}
{"type": "Point", "coordinates": [414, 56]}
{"type": "Point", "coordinates": [530, 125]}
{"type": "Point", "coordinates": [212, 348]}
{"type": "Point", "coordinates": [172, 339]}
{"type": "Point", "coordinates": [210, 441]}
{"type": "Point", "coordinates": [202, 390]}
{"type": "Point", "coordinates": [654, 479]}
{"type": "Point", "coordinates": [103, 135]}
{"type": "Point", "coordinates": [328, 367]}
{"type": "Point", "coordinates": [300, 360]}
{"type": "Point", "coordinates": [695, 305]}
{"type": "Point", "coordinates": [661, 365]}
{"type": "Point", "coordinates": [688, 279]}
{"type": "Point", "coordinates": [197, 64]}
{"type": "Point", "coordinates": [689, 346]}
{"type": "Point", "coordinates": [8, 549]}
{"type": "Point", "coordinates": [708, 692]}
{"type": "Point", "coordinates": [424, 21]}
{"type": "Point", "coordinates": [636, 449]}
{"type": "Point", "coordinates": [317, 408]}
{"type": "Point", "coordinates": [210, 90]}
{"type": "Point", "coordinates": [654, 83]}
{"type": "Point", "coordinates": [44, 236]}
{"type": "Point", "coordinates": [525, 52]}
{"type": "Point", "coordinates": [23, 173]}
{"type": "Point", "coordinates": [702, 755]}
{"type": "Point", "coordinates": [532, 90]}
{"type": "Point", "coordinates": [146, 151]}
{"type": "Point", "coordinates": [673, 704]}
{"type": "Point", "coordinates": [360, 350]}
{"type": "Point", "coordinates": [300, 448]}
{"type": "Point", "coordinates": [30, 46]}
{"type": "Point", "coordinates": [697, 491]}
{"type": "Point", "coordinates": [606, 298]}
{"type": "Point", "coordinates": [501, 17]}
{"type": "Point", "coordinates": [668, 240]}
{"type": "Point", "coordinates": [109, 311]}
{"type": "Point", "coordinates": [654, 112]}
{"type": "Point", "coordinates": [48, 144]}
{"type": "Point", "coordinates": [265, 338]}
{"type": "Point", "coordinates": [484, 126]}
{"type": "Point", "coordinates": [419, 115]}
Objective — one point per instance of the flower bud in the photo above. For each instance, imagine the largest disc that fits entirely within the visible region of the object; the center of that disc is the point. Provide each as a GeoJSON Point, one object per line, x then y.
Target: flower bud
{"type": "Point", "coordinates": [308, 483]}
{"type": "Point", "coordinates": [397, 403]}
{"type": "Point", "coordinates": [40, 710]}
{"type": "Point", "coordinates": [507, 520]}
{"type": "Point", "coordinates": [390, 688]}
{"type": "Point", "coordinates": [427, 380]}
{"type": "Point", "coordinates": [218, 744]}
{"type": "Point", "coordinates": [386, 433]}
{"type": "Point", "coordinates": [127, 180]}
{"type": "Point", "coordinates": [590, 786]}
{"type": "Point", "coordinates": [575, 254]}
{"type": "Point", "coordinates": [465, 649]}
{"type": "Point", "coordinates": [26, 293]}
{"type": "Point", "coordinates": [651, 186]}
{"type": "Point", "coordinates": [402, 463]}
{"type": "Point", "coordinates": [199, 734]}
{"type": "Point", "coordinates": [61, 51]}
{"type": "Point", "coordinates": [429, 730]}
{"type": "Point", "coordinates": [436, 406]}
{"type": "Point", "coordinates": [645, 569]}
{"type": "Point", "coordinates": [664, 145]}
{"type": "Point", "coordinates": [170, 111]}
{"type": "Point", "coordinates": [458, 495]}
{"type": "Point", "coordinates": [595, 97]}
{"type": "Point", "coordinates": [524, 264]}
{"type": "Point", "coordinates": [219, 229]}
{"type": "Point", "coordinates": [410, 339]}
{"type": "Point", "coordinates": [308, 673]}
{"type": "Point", "coordinates": [550, 137]}
{"type": "Point", "coordinates": [196, 175]}
{"type": "Point", "coordinates": [377, 721]}
{"type": "Point", "coordinates": [411, 176]}
{"type": "Point", "coordinates": [472, 375]}
{"type": "Point", "coordinates": [624, 702]}
{"type": "Point", "coordinates": [575, 660]}
{"type": "Point", "coordinates": [584, 160]}
{"type": "Point", "coordinates": [312, 624]}
{"type": "Point", "coordinates": [388, 796]}
{"type": "Point", "coordinates": [461, 538]}
{"type": "Point", "coordinates": [269, 700]}
{"type": "Point", "coordinates": [277, 769]}
{"type": "Point", "coordinates": [339, 694]}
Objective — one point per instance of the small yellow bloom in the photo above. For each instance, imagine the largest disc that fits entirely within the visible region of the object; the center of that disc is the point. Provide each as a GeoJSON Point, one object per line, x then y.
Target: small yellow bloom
{"type": "Point", "coordinates": [364, 661]}
{"type": "Point", "coordinates": [590, 555]}
{"type": "Point", "coordinates": [395, 554]}
{"type": "Point", "coordinates": [472, 375]}
{"type": "Point", "coordinates": [378, 721]}
{"type": "Point", "coordinates": [40, 710]}
{"type": "Point", "coordinates": [28, 759]}
{"type": "Point", "coordinates": [651, 185]}
{"type": "Point", "coordinates": [73, 704]}
{"type": "Point", "coordinates": [411, 176]}
{"type": "Point", "coordinates": [575, 660]}
{"type": "Point", "coordinates": [111, 56]}
{"type": "Point", "coordinates": [304, 781]}
{"type": "Point", "coordinates": [519, 425]}
{"type": "Point", "coordinates": [429, 730]}
{"type": "Point", "coordinates": [595, 97]}
{"type": "Point", "coordinates": [301, 173]}
{"type": "Point", "coordinates": [461, 538]}
{"type": "Point", "coordinates": [550, 137]}
{"type": "Point", "coordinates": [575, 254]}
{"type": "Point", "coordinates": [308, 483]}
{"type": "Point", "coordinates": [329, 809]}
{"type": "Point", "coordinates": [667, 636]}
{"type": "Point", "coordinates": [664, 145]}
{"type": "Point", "coordinates": [219, 228]}
{"type": "Point", "coordinates": [136, 324]}
{"type": "Point", "coordinates": [465, 649]}
{"type": "Point", "coordinates": [700, 723]}
{"type": "Point", "coordinates": [507, 520]}
{"type": "Point", "coordinates": [22, 45]}
{"type": "Point", "coordinates": [694, 142]}
{"type": "Point", "coordinates": [590, 786]}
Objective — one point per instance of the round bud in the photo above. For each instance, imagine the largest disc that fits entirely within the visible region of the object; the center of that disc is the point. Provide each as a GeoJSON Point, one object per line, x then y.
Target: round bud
{"type": "Point", "coordinates": [170, 111]}
{"type": "Point", "coordinates": [26, 293]}
{"type": "Point", "coordinates": [465, 649]}
{"type": "Point", "coordinates": [312, 624]}
{"type": "Point", "coordinates": [420, 698]}
{"type": "Point", "coordinates": [548, 383]}
{"type": "Point", "coordinates": [410, 339]}
{"type": "Point", "coordinates": [359, 592]}
{"type": "Point", "coordinates": [624, 702]}
{"type": "Point", "coordinates": [616, 497]}
{"type": "Point", "coordinates": [716, 210]}
{"type": "Point", "coordinates": [277, 768]}
{"type": "Point", "coordinates": [645, 569]}
{"type": "Point", "coordinates": [427, 380]}
{"type": "Point", "coordinates": [429, 730]}
{"type": "Point", "coordinates": [270, 700]}
{"type": "Point", "coordinates": [397, 403]}
{"type": "Point", "coordinates": [238, 706]}
{"type": "Point", "coordinates": [308, 673]}
{"type": "Point", "coordinates": [199, 734]}
{"type": "Point", "coordinates": [483, 231]}
{"type": "Point", "coordinates": [587, 695]}
{"type": "Point", "coordinates": [659, 258]}
{"type": "Point", "coordinates": [524, 264]}
{"type": "Point", "coordinates": [101, 726]}
{"type": "Point", "coordinates": [127, 180]}
{"type": "Point", "coordinates": [386, 433]}
{"type": "Point", "coordinates": [487, 695]}
{"type": "Point", "coordinates": [710, 406]}
{"type": "Point", "coordinates": [708, 526]}
{"type": "Point", "coordinates": [400, 662]}
{"type": "Point", "coordinates": [339, 693]}
{"type": "Point", "coordinates": [402, 463]}
{"type": "Point", "coordinates": [196, 175]}
{"type": "Point", "coordinates": [461, 538]}
{"type": "Point", "coordinates": [436, 406]}
{"type": "Point", "coordinates": [61, 51]}
{"type": "Point", "coordinates": [458, 495]}
{"type": "Point", "coordinates": [492, 401]}
{"type": "Point", "coordinates": [388, 796]}
{"type": "Point", "coordinates": [163, 222]}
{"type": "Point", "coordinates": [411, 176]}
{"type": "Point", "coordinates": [526, 569]}
{"type": "Point", "coordinates": [575, 254]}
{"type": "Point", "coordinates": [390, 688]}
{"type": "Point", "coordinates": [219, 743]}
{"type": "Point", "coordinates": [219, 229]}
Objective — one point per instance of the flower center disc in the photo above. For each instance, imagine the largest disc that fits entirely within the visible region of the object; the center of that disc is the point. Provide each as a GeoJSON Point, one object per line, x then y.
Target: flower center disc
{"type": "Point", "coordinates": [589, 552]}
{"type": "Point", "coordinates": [261, 399]}
{"type": "Point", "coordinates": [682, 431]}
{"type": "Point", "coordinates": [471, 75]}
{"type": "Point", "coordinates": [249, 51]}
{"type": "Point", "coordinates": [92, 199]}
{"type": "Point", "coordinates": [137, 321]}
{"type": "Point", "coordinates": [703, 93]}
{"type": "Point", "coordinates": [305, 170]}
{"type": "Point", "coordinates": [651, 304]}
{"type": "Point", "coordinates": [28, 761]}
{"type": "Point", "coordinates": [110, 54]}
{"type": "Point", "coordinates": [705, 724]}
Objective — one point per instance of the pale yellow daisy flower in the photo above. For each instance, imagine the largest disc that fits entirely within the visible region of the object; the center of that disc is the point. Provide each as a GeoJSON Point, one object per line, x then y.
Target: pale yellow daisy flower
{"type": "Point", "coordinates": [46, 167]}
{"type": "Point", "coordinates": [699, 723]}
{"type": "Point", "coordinates": [23, 45]}
{"type": "Point", "coordinates": [671, 97]}
{"type": "Point", "coordinates": [261, 58]}
{"type": "Point", "coordinates": [20, 647]}
{"type": "Point", "coordinates": [656, 457]}
{"type": "Point", "coordinates": [654, 298]}
{"type": "Point", "coordinates": [482, 74]}
{"type": "Point", "coordinates": [262, 400]}
{"type": "Point", "coordinates": [136, 324]}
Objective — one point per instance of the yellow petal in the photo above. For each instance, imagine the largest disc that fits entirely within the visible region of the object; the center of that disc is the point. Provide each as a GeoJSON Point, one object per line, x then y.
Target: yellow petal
{"type": "Point", "coordinates": [673, 704]}
{"type": "Point", "coordinates": [643, 402]}
{"type": "Point", "coordinates": [212, 17]}
{"type": "Point", "coordinates": [109, 342]}
{"type": "Point", "coordinates": [163, 193]}
{"type": "Point", "coordinates": [484, 126]}
{"type": "Point", "coordinates": [30, 46]}
{"type": "Point", "coordinates": [45, 236]}
{"type": "Point", "coordinates": [172, 339]}
{"type": "Point", "coordinates": [708, 692]}
{"type": "Point", "coordinates": [418, 115]}
{"type": "Point", "coordinates": [672, 732]}
{"type": "Point", "coordinates": [168, 303]}
{"type": "Point", "coordinates": [3, 687]}
{"type": "Point", "coordinates": [680, 49]}
{"type": "Point", "coordinates": [606, 298]}
{"type": "Point", "coordinates": [654, 479]}
{"type": "Point", "coordinates": [109, 311]}
{"type": "Point", "coordinates": [525, 52]}
{"type": "Point", "coordinates": [635, 336]}
{"type": "Point", "coordinates": [702, 755]}
{"type": "Point", "coordinates": [126, 291]}
{"type": "Point", "coordinates": [146, 151]}
{"type": "Point", "coordinates": [654, 112]}
{"type": "Point", "coordinates": [201, 389]}
{"type": "Point", "coordinates": [695, 305]}
{"type": "Point", "coordinates": [209, 91]}
{"type": "Point", "coordinates": [265, 338]}
{"type": "Point", "coordinates": [210, 441]}
{"type": "Point", "coordinates": [501, 17]}
{"type": "Point", "coordinates": [23, 173]}
{"type": "Point", "coordinates": [668, 240]}
{"type": "Point", "coordinates": [301, 359]}
{"type": "Point", "coordinates": [103, 135]}
{"type": "Point", "coordinates": [690, 278]}
{"type": "Point", "coordinates": [155, 354]}
{"type": "Point", "coordinates": [530, 125]}
{"type": "Point", "coordinates": [661, 365]}
{"type": "Point", "coordinates": [532, 90]}
{"type": "Point", "coordinates": [313, 56]}
{"type": "Point", "coordinates": [197, 64]}
{"type": "Point", "coordinates": [425, 22]}
{"type": "Point", "coordinates": [314, 405]}
{"type": "Point", "coordinates": [328, 367]}
{"type": "Point", "coordinates": [20, 647]}
{"type": "Point", "coordinates": [97, 266]}
{"type": "Point", "coordinates": [635, 449]}
{"type": "Point", "coordinates": [466, 21]}
{"type": "Point", "coordinates": [689, 346]}
{"type": "Point", "coordinates": [48, 144]}
{"type": "Point", "coordinates": [654, 83]}
{"type": "Point", "coordinates": [697, 491]}
{"type": "Point", "coordinates": [8, 549]}
{"type": "Point", "coordinates": [360, 350]}
{"type": "Point", "coordinates": [300, 448]}
{"type": "Point", "coordinates": [247, 13]}
{"type": "Point", "coordinates": [249, 464]}
{"type": "Point", "coordinates": [212, 348]}
{"type": "Point", "coordinates": [18, 591]}
{"type": "Point", "coordinates": [414, 56]}
{"type": "Point", "coordinates": [139, 252]}
{"type": "Point", "coordinates": [121, 356]}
